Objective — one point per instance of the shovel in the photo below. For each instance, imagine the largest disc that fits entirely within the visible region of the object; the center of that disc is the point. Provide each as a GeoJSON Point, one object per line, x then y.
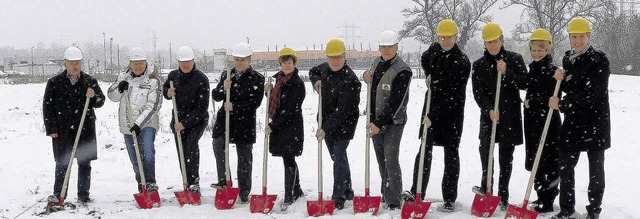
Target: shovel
{"type": "Point", "coordinates": [522, 212]}
{"type": "Point", "coordinates": [187, 196]}
{"type": "Point", "coordinates": [419, 209]}
{"type": "Point", "coordinates": [367, 203]}
{"type": "Point", "coordinates": [320, 207]}
{"type": "Point", "coordinates": [264, 203]}
{"type": "Point", "coordinates": [65, 183]}
{"type": "Point", "coordinates": [145, 199]}
{"type": "Point", "coordinates": [485, 204]}
{"type": "Point", "coordinates": [226, 197]}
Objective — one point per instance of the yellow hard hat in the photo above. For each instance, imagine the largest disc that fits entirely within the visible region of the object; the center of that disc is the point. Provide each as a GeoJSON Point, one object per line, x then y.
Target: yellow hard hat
{"type": "Point", "coordinates": [288, 51]}
{"type": "Point", "coordinates": [491, 31]}
{"type": "Point", "coordinates": [578, 25]}
{"type": "Point", "coordinates": [541, 34]}
{"type": "Point", "coordinates": [335, 47]}
{"type": "Point", "coordinates": [447, 27]}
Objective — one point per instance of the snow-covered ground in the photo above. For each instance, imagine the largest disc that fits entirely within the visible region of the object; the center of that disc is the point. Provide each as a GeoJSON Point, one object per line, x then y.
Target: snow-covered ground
{"type": "Point", "coordinates": [27, 166]}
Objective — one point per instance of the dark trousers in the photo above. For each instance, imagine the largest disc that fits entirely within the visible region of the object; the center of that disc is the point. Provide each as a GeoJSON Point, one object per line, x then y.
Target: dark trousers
{"type": "Point", "coordinates": [547, 177]}
{"type": "Point", "coordinates": [568, 161]}
{"type": "Point", "coordinates": [450, 176]}
{"type": "Point", "coordinates": [191, 151]}
{"type": "Point", "coordinates": [84, 176]}
{"type": "Point", "coordinates": [245, 164]}
{"type": "Point", "coordinates": [341, 171]}
{"type": "Point", "coordinates": [291, 179]}
{"type": "Point", "coordinates": [505, 160]}
{"type": "Point", "coordinates": [386, 145]}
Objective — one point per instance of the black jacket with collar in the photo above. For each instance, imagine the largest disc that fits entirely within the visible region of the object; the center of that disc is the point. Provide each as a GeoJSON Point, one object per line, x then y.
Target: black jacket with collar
{"type": "Point", "coordinates": [246, 96]}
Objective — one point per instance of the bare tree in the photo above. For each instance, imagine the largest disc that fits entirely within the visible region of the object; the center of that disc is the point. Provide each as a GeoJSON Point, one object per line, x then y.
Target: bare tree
{"type": "Point", "coordinates": [423, 19]}
{"type": "Point", "coordinates": [554, 15]}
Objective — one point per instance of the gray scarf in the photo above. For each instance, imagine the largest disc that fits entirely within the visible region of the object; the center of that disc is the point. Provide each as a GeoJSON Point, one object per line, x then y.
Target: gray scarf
{"type": "Point", "coordinates": [575, 54]}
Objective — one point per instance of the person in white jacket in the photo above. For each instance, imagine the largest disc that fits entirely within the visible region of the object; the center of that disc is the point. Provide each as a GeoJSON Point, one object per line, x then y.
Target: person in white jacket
{"type": "Point", "coordinates": [145, 90]}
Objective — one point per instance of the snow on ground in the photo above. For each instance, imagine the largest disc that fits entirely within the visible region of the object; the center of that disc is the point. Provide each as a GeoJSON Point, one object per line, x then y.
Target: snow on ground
{"type": "Point", "coordinates": [27, 166]}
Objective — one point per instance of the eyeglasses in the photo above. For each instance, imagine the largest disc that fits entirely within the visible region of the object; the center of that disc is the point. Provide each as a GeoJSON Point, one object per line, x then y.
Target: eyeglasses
{"type": "Point", "coordinates": [336, 57]}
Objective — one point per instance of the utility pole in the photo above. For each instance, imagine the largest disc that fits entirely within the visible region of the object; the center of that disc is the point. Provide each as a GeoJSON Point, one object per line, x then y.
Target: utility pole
{"type": "Point", "coordinates": [118, 60]}
{"type": "Point", "coordinates": [170, 56]}
{"type": "Point", "coordinates": [104, 51]}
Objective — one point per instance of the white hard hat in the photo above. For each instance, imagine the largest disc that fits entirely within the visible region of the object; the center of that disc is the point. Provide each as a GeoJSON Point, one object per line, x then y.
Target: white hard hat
{"type": "Point", "coordinates": [388, 38]}
{"type": "Point", "coordinates": [241, 50]}
{"type": "Point", "coordinates": [137, 54]}
{"type": "Point", "coordinates": [72, 54]}
{"type": "Point", "coordinates": [185, 53]}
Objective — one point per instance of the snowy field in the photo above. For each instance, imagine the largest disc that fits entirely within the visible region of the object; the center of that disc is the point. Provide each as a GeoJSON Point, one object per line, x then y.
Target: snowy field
{"type": "Point", "coordinates": [27, 166]}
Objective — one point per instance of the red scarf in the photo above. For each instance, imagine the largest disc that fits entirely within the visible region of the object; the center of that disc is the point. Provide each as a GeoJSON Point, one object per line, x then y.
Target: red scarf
{"type": "Point", "coordinates": [275, 93]}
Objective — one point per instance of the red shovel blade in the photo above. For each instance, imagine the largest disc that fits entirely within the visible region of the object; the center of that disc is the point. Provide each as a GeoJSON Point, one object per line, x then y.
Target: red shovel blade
{"type": "Point", "coordinates": [147, 200]}
{"type": "Point", "coordinates": [515, 212]}
{"type": "Point", "coordinates": [484, 205]}
{"type": "Point", "coordinates": [262, 203]}
{"type": "Point", "coordinates": [226, 197]}
{"type": "Point", "coordinates": [320, 207]}
{"type": "Point", "coordinates": [188, 197]}
{"type": "Point", "coordinates": [366, 204]}
{"type": "Point", "coordinates": [417, 209]}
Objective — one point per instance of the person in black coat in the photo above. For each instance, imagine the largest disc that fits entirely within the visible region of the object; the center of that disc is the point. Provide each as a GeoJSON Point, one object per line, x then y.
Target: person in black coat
{"type": "Point", "coordinates": [62, 108]}
{"type": "Point", "coordinates": [540, 87]}
{"type": "Point", "coordinates": [246, 86]}
{"type": "Point", "coordinates": [191, 90]}
{"type": "Point", "coordinates": [286, 129]}
{"type": "Point", "coordinates": [447, 69]}
{"type": "Point", "coordinates": [586, 125]}
{"type": "Point", "coordinates": [340, 98]}
{"type": "Point", "coordinates": [496, 60]}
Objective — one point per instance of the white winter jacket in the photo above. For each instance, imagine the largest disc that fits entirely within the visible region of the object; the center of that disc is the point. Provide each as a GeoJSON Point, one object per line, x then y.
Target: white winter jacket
{"type": "Point", "coordinates": [144, 96]}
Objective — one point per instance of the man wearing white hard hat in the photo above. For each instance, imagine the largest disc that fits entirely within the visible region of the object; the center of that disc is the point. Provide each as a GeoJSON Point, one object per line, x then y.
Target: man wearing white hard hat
{"type": "Point", "coordinates": [389, 78]}
{"type": "Point", "coordinates": [62, 109]}
{"type": "Point", "coordinates": [191, 90]}
{"type": "Point", "coordinates": [145, 90]}
{"type": "Point", "coordinates": [247, 87]}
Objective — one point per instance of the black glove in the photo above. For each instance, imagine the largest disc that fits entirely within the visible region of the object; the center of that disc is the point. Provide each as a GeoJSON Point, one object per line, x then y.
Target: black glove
{"type": "Point", "coordinates": [135, 129]}
{"type": "Point", "coordinates": [122, 86]}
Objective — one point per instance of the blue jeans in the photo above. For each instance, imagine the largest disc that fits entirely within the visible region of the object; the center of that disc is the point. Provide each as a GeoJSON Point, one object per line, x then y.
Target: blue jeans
{"type": "Point", "coordinates": [147, 153]}
{"type": "Point", "coordinates": [341, 171]}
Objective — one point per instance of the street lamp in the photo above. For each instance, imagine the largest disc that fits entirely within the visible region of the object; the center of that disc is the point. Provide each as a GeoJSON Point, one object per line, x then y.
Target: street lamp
{"type": "Point", "coordinates": [32, 73]}
{"type": "Point", "coordinates": [111, 56]}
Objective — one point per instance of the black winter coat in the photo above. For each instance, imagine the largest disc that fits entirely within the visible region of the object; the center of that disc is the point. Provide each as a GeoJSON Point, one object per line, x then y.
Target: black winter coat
{"type": "Point", "coordinates": [246, 97]}
{"type": "Point", "coordinates": [540, 87]}
{"type": "Point", "coordinates": [287, 126]}
{"type": "Point", "coordinates": [449, 72]}
{"type": "Point", "coordinates": [484, 77]}
{"type": "Point", "coordinates": [340, 99]}
{"type": "Point", "coordinates": [192, 97]}
{"type": "Point", "coordinates": [62, 108]}
{"type": "Point", "coordinates": [587, 124]}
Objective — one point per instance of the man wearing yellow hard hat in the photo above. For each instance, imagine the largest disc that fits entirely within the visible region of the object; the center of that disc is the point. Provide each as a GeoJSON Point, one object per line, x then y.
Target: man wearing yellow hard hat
{"type": "Point", "coordinates": [540, 87]}
{"type": "Point", "coordinates": [286, 129]}
{"type": "Point", "coordinates": [389, 78]}
{"type": "Point", "coordinates": [447, 65]}
{"type": "Point", "coordinates": [339, 89]}
{"type": "Point", "coordinates": [512, 70]}
{"type": "Point", "coordinates": [587, 125]}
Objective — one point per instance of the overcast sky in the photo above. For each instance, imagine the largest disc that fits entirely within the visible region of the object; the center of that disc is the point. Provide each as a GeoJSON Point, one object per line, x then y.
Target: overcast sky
{"type": "Point", "coordinates": [206, 24]}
